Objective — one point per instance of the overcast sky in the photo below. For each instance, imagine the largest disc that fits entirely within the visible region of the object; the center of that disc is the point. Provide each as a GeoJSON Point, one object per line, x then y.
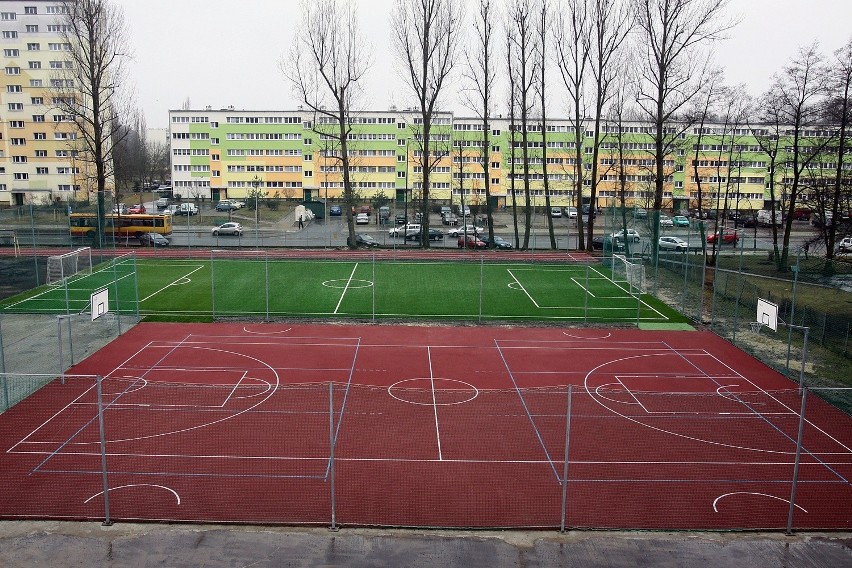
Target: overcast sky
{"type": "Point", "coordinates": [220, 53]}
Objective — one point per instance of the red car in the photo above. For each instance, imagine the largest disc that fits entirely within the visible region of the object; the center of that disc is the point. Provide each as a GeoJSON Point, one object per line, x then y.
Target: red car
{"type": "Point", "coordinates": [471, 242]}
{"type": "Point", "coordinates": [728, 237]}
{"type": "Point", "coordinates": [136, 209]}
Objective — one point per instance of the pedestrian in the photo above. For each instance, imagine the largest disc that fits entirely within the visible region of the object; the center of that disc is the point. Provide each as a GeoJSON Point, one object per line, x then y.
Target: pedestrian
{"type": "Point", "coordinates": [806, 248]}
{"type": "Point", "coordinates": [301, 222]}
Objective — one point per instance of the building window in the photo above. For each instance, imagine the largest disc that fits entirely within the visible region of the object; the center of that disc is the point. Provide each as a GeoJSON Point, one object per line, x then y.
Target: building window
{"type": "Point", "coordinates": [13, 88]}
{"type": "Point", "coordinates": [6, 16]}
{"type": "Point", "coordinates": [16, 106]}
{"type": "Point", "coordinates": [37, 100]}
{"type": "Point", "coordinates": [16, 124]}
{"type": "Point", "coordinates": [19, 141]}
{"type": "Point", "coordinates": [38, 118]}
{"type": "Point", "coordinates": [33, 46]}
{"type": "Point", "coordinates": [56, 65]}
{"type": "Point", "coordinates": [41, 153]}
{"type": "Point", "coordinates": [30, 10]}
{"type": "Point", "coordinates": [19, 159]}
{"type": "Point", "coordinates": [35, 64]}
{"type": "Point", "coordinates": [307, 141]}
{"type": "Point", "coordinates": [11, 52]}
{"type": "Point", "coordinates": [10, 34]}
{"type": "Point", "coordinates": [32, 29]}
{"type": "Point", "coordinates": [13, 70]}
{"type": "Point", "coordinates": [309, 173]}
{"type": "Point", "coordinates": [35, 82]}
{"type": "Point", "coordinates": [21, 175]}
{"type": "Point", "coordinates": [40, 136]}
{"type": "Point", "coordinates": [41, 171]}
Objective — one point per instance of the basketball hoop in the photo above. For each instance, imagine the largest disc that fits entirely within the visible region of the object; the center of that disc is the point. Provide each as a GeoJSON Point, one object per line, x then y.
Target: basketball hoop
{"type": "Point", "coordinates": [755, 326]}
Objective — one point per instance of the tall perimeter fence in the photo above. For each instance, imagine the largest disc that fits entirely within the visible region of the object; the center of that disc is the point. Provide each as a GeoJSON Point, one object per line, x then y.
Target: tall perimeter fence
{"type": "Point", "coordinates": [331, 454]}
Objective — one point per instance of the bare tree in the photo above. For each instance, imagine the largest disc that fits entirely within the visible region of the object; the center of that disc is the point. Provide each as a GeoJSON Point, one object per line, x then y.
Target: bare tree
{"type": "Point", "coordinates": [89, 88]}
{"type": "Point", "coordinates": [800, 91]}
{"type": "Point", "coordinates": [572, 43]}
{"type": "Point", "coordinates": [511, 62]}
{"type": "Point", "coordinates": [839, 113]}
{"type": "Point", "coordinates": [481, 77]}
{"type": "Point", "coordinates": [425, 38]}
{"type": "Point", "coordinates": [328, 61]}
{"type": "Point", "coordinates": [543, 29]}
{"type": "Point", "coordinates": [521, 32]}
{"type": "Point", "coordinates": [609, 26]}
{"type": "Point", "coordinates": [672, 34]}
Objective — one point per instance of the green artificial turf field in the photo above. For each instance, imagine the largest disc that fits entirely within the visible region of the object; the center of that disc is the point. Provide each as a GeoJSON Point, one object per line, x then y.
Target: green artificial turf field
{"type": "Point", "coordinates": [326, 288]}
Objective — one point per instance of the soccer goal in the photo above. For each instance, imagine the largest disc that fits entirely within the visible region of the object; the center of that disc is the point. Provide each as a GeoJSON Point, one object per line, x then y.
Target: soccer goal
{"type": "Point", "coordinates": [631, 273]}
{"type": "Point", "coordinates": [66, 265]}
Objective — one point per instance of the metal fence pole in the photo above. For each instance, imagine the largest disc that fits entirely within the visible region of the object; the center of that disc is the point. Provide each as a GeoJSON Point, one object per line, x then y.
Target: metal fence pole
{"type": "Point", "coordinates": [266, 266]}
{"type": "Point", "coordinates": [481, 280]}
{"type": "Point", "coordinates": [59, 348]}
{"type": "Point", "coordinates": [374, 287]}
{"type": "Point", "coordinates": [107, 522]}
{"type": "Point", "coordinates": [586, 298]}
{"type": "Point", "coordinates": [136, 283]}
{"type": "Point", "coordinates": [796, 463]}
{"type": "Point", "coordinates": [212, 288]}
{"type": "Point", "coordinates": [792, 310]}
{"type": "Point", "coordinates": [565, 462]}
{"type": "Point", "coordinates": [2, 350]}
{"type": "Point", "coordinates": [331, 455]}
{"type": "Point", "coordinates": [117, 303]}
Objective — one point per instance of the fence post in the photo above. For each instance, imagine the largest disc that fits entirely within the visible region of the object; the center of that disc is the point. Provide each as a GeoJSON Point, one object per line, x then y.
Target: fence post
{"type": "Point", "coordinates": [117, 302]}
{"type": "Point", "coordinates": [212, 287]}
{"type": "Point", "coordinates": [136, 284]}
{"type": "Point", "coordinates": [796, 463]}
{"type": "Point", "coordinates": [792, 311]}
{"type": "Point", "coordinates": [2, 351]}
{"type": "Point", "coordinates": [586, 298]}
{"type": "Point", "coordinates": [107, 521]}
{"type": "Point", "coordinates": [374, 287]}
{"type": "Point", "coordinates": [59, 348]}
{"type": "Point", "coordinates": [331, 455]}
{"type": "Point", "coordinates": [266, 267]}
{"type": "Point", "coordinates": [481, 268]}
{"type": "Point", "coordinates": [565, 462]}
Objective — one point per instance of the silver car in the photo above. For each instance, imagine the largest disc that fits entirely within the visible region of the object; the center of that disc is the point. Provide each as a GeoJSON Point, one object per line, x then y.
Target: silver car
{"type": "Point", "coordinates": [228, 229]}
{"type": "Point", "coordinates": [673, 243]}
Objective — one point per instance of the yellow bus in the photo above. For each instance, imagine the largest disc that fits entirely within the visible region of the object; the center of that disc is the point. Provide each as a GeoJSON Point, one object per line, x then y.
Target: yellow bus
{"type": "Point", "coordinates": [132, 225]}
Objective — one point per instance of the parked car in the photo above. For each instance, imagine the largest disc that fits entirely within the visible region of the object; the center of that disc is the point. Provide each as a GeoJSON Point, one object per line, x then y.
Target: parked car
{"type": "Point", "coordinates": [845, 245]}
{"type": "Point", "coordinates": [445, 210]}
{"type": "Point", "coordinates": [335, 211]}
{"type": "Point", "coordinates": [728, 237]}
{"type": "Point", "coordinates": [136, 209]}
{"type": "Point", "coordinates": [362, 219]}
{"type": "Point", "coordinates": [403, 230]}
{"type": "Point", "coordinates": [384, 214]}
{"type": "Point", "coordinates": [400, 219]}
{"type": "Point", "coordinates": [434, 235]}
{"type": "Point", "coordinates": [225, 205]}
{"type": "Point", "coordinates": [571, 212]}
{"type": "Point", "coordinates": [228, 229]}
{"type": "Point", "coordinates": [364, 240]}
{"type": "Point", "coordinates": [153, 240]}
{"type": "Point", "coordinates": [238, 204]}
{"type": "Point", "coordinates": [121, 209]}
{"type": "Point", "coordinates": [450, 219]}
{"type": "Point", "coordinates": [666, 221]}
{"type": "Point", "coordinates": [747, 221]}
{"type": "Point", "coordinates": [615, 244]}
{"type": "Point", "coordinates": [641, 213]}
{"type": "Point", "coordinates": [680, 221]}
{"type": "Point", "coordinates": [470, 241]}
{"type": "Point", "coordinates": [555, 212]}
{"type": "Point", "coordinates": [184, 209]}
{"type": "Point", "coordinates": [464, 212]}
{"type": "Point", "coordinates": [366, 209]}
{"type": "Point", "coordinates": [462, 229]}
{"type": "Point", "coordinates": [499, 242]}
{"type": "Point", "coordinates": [161, 203]}
{"type": "Point", "coordinates": [631, 234]}
{"type": "Point", "coordinates": [673, 243]}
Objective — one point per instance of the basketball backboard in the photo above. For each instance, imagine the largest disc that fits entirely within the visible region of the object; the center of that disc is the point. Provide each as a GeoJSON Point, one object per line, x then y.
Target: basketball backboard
{"type": "Point", "coordinates": [767, 314]}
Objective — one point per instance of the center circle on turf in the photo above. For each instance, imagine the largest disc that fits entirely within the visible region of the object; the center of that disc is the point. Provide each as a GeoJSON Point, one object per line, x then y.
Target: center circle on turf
{"type": "Point", "coordinates": [347, 283]}
{"type": "Point", "coordinates": [427, 391]}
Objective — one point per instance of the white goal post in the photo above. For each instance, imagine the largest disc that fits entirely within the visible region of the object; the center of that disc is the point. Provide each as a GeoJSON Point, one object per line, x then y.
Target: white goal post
{"type": "Point", "coordinates": [63, 266]}
{"type": "Point", "coordinates": [629, 272]}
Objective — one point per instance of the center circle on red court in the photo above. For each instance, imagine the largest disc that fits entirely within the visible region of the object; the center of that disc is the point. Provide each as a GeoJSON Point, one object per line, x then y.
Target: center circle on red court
{"type": "Point", "coordinates": [433, 391]}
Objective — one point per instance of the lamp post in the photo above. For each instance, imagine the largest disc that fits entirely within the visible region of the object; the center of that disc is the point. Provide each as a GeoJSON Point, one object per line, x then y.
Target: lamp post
{"type": "Point", "coordinates": [256, 183]}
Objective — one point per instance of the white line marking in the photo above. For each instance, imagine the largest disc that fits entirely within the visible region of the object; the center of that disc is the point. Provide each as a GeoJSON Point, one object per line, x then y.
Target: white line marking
{"type": "Point", "coordinates": [716, 501]}
{"type": "Point", "coordinates": [434, 403]}
{"type": "Point", "coordinates": [170, 490]}
{"type": "Point", "coordinates": [348, 282]}
{"type": "Point", "coordinates": [522, 288]}
{"type": "Point", "coordinates": [167, 286]}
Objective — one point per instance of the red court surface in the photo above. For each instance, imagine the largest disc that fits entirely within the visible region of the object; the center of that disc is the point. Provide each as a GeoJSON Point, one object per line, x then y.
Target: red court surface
{"type": "Point", "coordinates": [433, 426]}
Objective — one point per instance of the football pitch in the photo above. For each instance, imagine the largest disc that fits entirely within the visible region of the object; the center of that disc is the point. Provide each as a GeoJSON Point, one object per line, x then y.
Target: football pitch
{"type": "Point", "coordinates": [379, 289]}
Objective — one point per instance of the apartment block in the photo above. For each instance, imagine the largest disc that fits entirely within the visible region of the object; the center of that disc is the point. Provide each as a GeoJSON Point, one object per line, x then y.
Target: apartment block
{"type": "Point", "coordinates": [231, 153]}
{"type": "Point", "coordinates": [38, 155]}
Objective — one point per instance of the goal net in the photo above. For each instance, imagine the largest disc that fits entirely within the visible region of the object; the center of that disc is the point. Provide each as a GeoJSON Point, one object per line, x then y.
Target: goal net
{"type": "Point", "coordinates": [631, 273]}
{"type": "Point", "coordinates": [66, 265]}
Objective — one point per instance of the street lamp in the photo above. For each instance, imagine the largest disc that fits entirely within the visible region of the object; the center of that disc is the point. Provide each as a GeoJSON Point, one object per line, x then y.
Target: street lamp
{"type": "Point", "coordinates": [256, 183]}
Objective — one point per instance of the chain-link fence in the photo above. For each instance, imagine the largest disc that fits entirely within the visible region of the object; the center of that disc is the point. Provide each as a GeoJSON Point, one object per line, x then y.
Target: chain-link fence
{"type": "Point", "coordinates": [250, 450]}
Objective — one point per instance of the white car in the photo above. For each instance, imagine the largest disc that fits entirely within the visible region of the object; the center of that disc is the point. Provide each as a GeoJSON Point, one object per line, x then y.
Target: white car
{"type": "Point", "coordinates": [673, 243]}
{"type": "Point", "coordinates": [555, 212]}
{"type": "Point", "coordinates": [404, 230]}
{"type": "Point", "coordinates": [666, 221]}
{"type": "Point", "coordinates": [228, 229]}
{"type": "Point", "coordinates": [845, 245]}
{"type": "Point", "coordinates": [465, 229]}
{"type": "Point", "coordinates": [362, 219]}
{"type": "Point", "coordinates": [631, 234]}
{"type": "Point", "coordinates": [571, 212]}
